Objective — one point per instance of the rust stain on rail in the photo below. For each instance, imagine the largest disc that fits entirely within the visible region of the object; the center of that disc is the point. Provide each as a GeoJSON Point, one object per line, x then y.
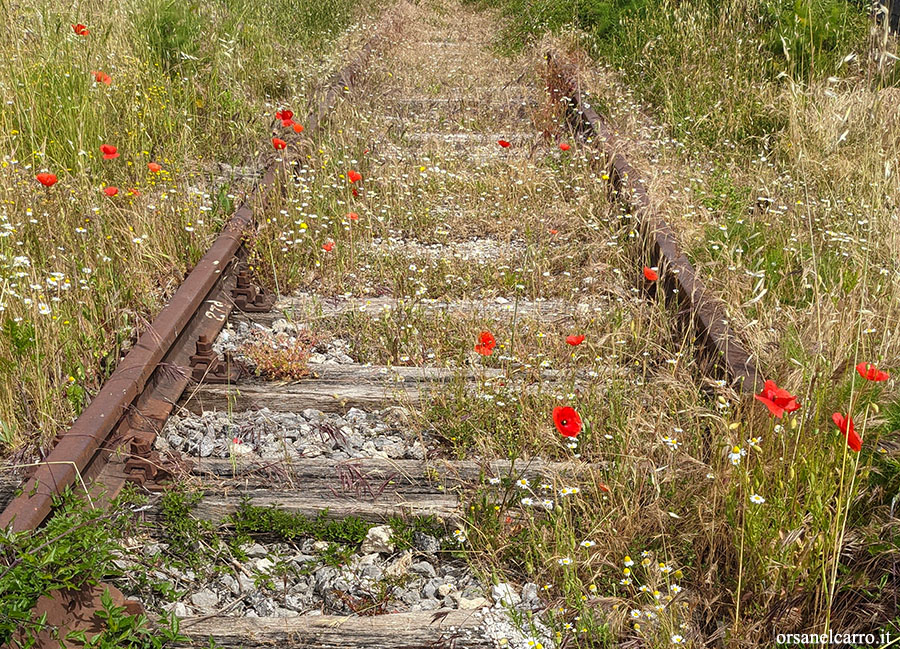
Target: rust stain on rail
{"type": "Point", "coordinates": [707, 311]}
{"type": "Point", "coordinates": [86, 445]}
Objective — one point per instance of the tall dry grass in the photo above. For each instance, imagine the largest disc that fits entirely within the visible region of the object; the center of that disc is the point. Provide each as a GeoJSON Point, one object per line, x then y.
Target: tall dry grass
{"type": "Point", "coordinates": [769, 133]}
{"type": "Point", "coordinates": [191, 87]}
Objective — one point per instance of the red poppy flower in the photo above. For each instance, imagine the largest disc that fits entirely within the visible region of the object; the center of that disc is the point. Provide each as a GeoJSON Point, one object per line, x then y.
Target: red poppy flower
{"type": "Point", "coordinates": [603, 487]}
{"type": "Point", "coordinates": [298, 128]}
{"type": "Point", "coordinates": [278, 143]}
{"type": "Point", "coordinates": [871, 373]}
{"type": "Point", "coordinates": [328, 246]}
{"type": "Point", "coordinates": [287, 123]}
{"type": "Point", "coordinates": [777, 400]}
{"type": "Point", "coordinates": [486, 343]}
{"type": "Point", "coordinates": [650, 274]}
{"type": "Point", "coordinates": [109, 151]}
{"type": "Point", "coordinates": [110, 191]}
{"type": "Point", "coordinates": [354, 176]}
{"type": "Point", "coordinates": [503, 143]}
{"type": "Point", "coordinates": [47, 180]}
{"type": "Point", "coordinates": [284, 115]}
{"type": "Point", "coordinates": [101, 77]}
{"type": "Point", "coordinates": [554, 231]}
{"type": "Point", "coordinates": [355, 192]}
{"type": "Point", "coordinates": [564, 147]}
{"type": "Point", "coordinates": [133, 192]}
{"type": "Point", "coordinates": [574, 340]}
{"type": "Point", "coordinates": [845, 424]}
{"type": "Point", "coordinates": [567, 420]}
{"type": "Point", "coordinates": [353, 216]}
{"type": "Point", "coordinates": [80, 29]}
{"type": "Point", "coordinates": [154, 167]}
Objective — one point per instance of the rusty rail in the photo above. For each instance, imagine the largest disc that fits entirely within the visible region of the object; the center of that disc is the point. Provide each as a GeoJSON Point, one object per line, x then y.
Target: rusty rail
{"type": "Point", "coordinates": [78, 448]}
{"type": "Point", "coordinates": [706, 310]}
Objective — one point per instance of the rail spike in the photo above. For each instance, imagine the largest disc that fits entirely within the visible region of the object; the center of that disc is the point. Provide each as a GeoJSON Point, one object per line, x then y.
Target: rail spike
{"type": "Point", "coordinates": [209, 367]}
{"type": "Point", "coordinates": [248, 295]}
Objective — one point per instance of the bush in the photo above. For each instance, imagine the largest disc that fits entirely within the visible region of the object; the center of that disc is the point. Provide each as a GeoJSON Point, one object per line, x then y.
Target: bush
{"type": "Point", "coordinates": [599, 18]}
{"type": "Point", "coordinates": [171, 30]}
{"type": "Point", "coordinates": [808, 38]}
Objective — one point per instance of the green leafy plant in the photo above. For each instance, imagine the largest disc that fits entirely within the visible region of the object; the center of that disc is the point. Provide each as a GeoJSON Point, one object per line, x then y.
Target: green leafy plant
{"type": "Point", "coordinates": [75, 549]}
{"type": "Point", "coordinates": [251, 521]}
{"type": "Point", "coordinates": [20, 336]}
{"type": "Point", "coordinates": [403, 529]}
{"type": "Point", "coordinates": [188, 537]}
{"type": "Point", "coordinates": [125, 631]}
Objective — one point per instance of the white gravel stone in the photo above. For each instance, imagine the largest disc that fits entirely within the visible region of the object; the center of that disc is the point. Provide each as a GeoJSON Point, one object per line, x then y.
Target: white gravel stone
{"type": "Point", "coordinates": [378, 539]}
{"type": "Point", "coordinates": [256, 551]}
{"type": "Point", "coordinates": [400, 567]}
{"type": "Point", "coordinates": [282, 326]}
{"type": "Point", "coordinates": [205, 600]}
{"type": "Point", "coordinates": [423, 568]}
{"type": "Point", "coordinates": [288, 436]}
{"type": "Point", "coordinates": [426, 543]}
{"type": "Point", "coordinates": [530, 593]}
{"type": "Point", "coordinates": [180, 609]}
{"type": "Point", "coordinates": [294, 602]}
{"type": "Point", "coordinates": [246, 582]}
{"type": "Point", "coordinates": [231, 584]}
{"type": "Point", "coordinates": [473, 603]}
{"type": "Point", "coordinates": [505, 594]}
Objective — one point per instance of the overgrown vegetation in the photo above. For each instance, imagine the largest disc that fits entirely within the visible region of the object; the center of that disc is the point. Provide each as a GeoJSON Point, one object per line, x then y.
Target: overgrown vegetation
{"type": "Point", "coordinates": [731, 58]}
{"type": "Point", "coordinates": [191, 541]}
{"type": "Point", "coordinates": [189, 88]}
{"type": "Point", "coordinates": [251, 521]}
{"type": "Point", "coordinates": [775, 122]}
{"type": "Point", "coordinates": [279, 357]}
{"type": "Point", "coordinates": [75, 550]}
{"type": "Point", "coordinates": [769, 131]}
{"type": "Point", "coordinates": [598, 19]}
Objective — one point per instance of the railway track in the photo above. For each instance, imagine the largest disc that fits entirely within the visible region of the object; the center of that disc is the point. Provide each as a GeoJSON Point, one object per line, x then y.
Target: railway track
{"type": "Point", "coordinates": [521, 235]}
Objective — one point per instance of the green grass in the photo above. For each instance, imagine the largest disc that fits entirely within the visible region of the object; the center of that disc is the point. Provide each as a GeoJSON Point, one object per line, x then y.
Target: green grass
{"type": "Point", "coordinates": [250, 521]}
{"type": "Point", "coordinates": [767, 99]}
{"type": "Point", "coordinates": [77, 548]}
{"type": "Point", "coordinates": [192, 85]}
{"type": "Point", "coordinates": [191, 542]}
{"type": "Point", "coordinates": [599, 19]}
{"type": "Point", "coordinates": [753, 96]}
{"type": "Point", "coordinates": [732, 58]}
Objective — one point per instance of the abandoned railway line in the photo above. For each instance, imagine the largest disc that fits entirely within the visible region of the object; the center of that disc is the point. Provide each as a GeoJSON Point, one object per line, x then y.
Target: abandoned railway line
{"type": "Point", "coordinates": [425, 105]}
